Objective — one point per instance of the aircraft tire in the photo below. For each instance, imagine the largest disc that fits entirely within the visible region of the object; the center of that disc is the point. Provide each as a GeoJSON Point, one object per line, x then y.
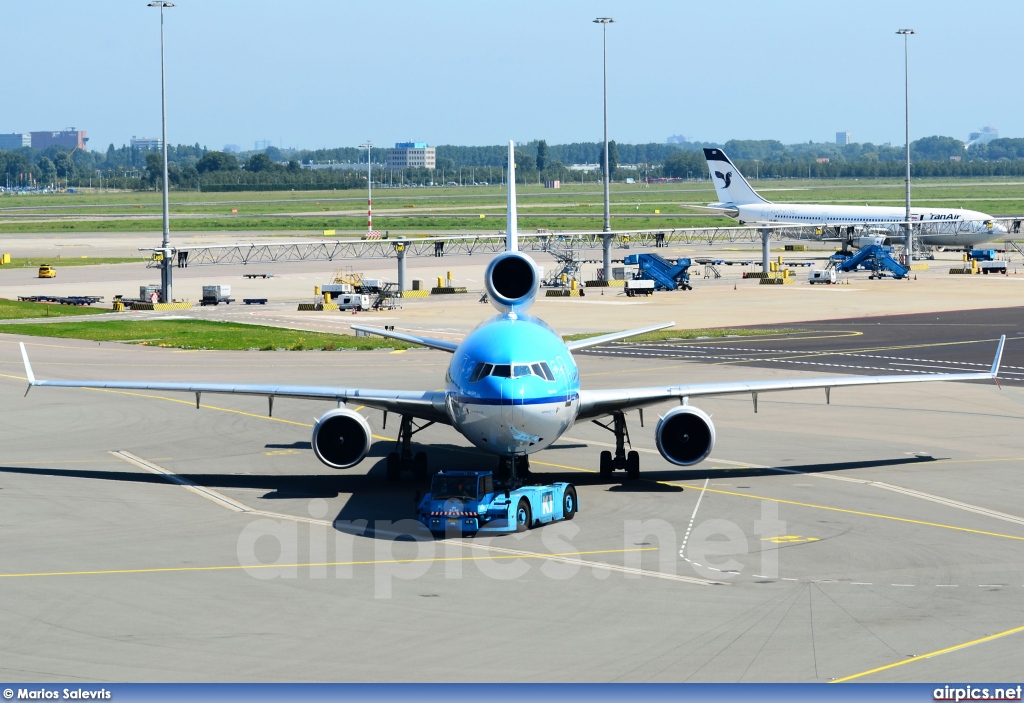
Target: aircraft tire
{"type": "Point", "coordinates": [420, 466]}
{"type": "Point", "coordinates": [394, 466]}
{"type": "Point", "coordinates": [633, 466]}
{"type": "Point", "coordinates": [606, 464]}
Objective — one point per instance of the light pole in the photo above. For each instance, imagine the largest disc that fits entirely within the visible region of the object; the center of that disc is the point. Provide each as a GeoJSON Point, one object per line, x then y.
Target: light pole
{"type": "Point", "coordinates": [906, 92]}
{"type": "Point", "coordinates": [369, 187]}
{"type": "Point", "coordinates": [166, 264]}
{"type": "Point", "coordinates": [604, 22]}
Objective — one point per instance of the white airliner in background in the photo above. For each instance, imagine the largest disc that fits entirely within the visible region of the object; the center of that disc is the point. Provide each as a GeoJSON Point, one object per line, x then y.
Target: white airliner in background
{"type": "Point", "coordinates": [513, 388]}
{"type": "Point", "coordinates": [965, 228]}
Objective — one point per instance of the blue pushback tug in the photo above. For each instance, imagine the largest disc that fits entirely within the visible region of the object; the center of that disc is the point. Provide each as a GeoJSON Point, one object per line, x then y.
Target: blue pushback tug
{"type": "Point", "coordinates": [468, 502]}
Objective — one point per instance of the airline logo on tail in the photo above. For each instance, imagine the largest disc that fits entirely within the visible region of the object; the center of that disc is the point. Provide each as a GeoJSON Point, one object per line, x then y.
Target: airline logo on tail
{"type": "Point", "coordinates": [731, 187]}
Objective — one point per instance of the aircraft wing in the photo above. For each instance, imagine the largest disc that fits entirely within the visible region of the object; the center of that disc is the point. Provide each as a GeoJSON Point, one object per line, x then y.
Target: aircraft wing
{"type": "Point", "coordinates": [440, 344]}
{"type": "Point", "coordinates": [596, 403]}
{"type": "Point", "coordinates": [424, 405]}
{"type": "Point", "coordinates": [611, 337]}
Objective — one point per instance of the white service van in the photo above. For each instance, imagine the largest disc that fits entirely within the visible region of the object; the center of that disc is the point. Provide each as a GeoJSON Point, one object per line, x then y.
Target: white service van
{"type": "Point", "coordinates": [821, 276]}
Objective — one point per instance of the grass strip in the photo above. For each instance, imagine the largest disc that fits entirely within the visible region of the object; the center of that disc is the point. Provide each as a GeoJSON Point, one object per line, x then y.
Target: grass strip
{"type": "Point", "coordinates": [21, 310]}
{"type": "Point", "coordinates": [200, 334]}
{"type": "Point", "coordinates": [58, 262]}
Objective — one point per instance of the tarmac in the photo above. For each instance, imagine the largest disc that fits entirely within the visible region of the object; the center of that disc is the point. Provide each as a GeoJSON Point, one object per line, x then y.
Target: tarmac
{"type": "Point", "coordinates": [877, 538]}
{"type": "Point", "coordinates": [817, 543]}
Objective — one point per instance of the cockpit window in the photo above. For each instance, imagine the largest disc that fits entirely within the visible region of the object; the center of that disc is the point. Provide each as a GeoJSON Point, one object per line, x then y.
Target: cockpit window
{"type": "Point", "coordinates": [480, 371]}
{"type": "Point", "coordinates": [539, 368]}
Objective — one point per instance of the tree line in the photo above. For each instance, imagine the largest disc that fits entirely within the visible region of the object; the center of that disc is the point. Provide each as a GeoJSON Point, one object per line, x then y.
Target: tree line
{"type": "Point", "coordinates": [194, 167]}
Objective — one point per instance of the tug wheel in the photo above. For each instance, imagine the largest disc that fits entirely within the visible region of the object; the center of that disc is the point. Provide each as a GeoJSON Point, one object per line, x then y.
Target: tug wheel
{"type": "Point", "coordinates": [569, 505]}
{"type": "Point", "coordinates": [524, 516]}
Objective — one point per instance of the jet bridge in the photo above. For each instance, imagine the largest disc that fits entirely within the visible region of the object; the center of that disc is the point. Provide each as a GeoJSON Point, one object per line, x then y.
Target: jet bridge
{"type": "Point", "coordinates": [559, 244]}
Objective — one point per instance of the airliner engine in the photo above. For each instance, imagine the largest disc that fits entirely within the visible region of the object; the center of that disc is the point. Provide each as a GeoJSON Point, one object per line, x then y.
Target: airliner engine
{"type": "Point", "coordinates": [512, 281]}
{"type": "Point", "coordinates": [341, 438]}
{"type": "Point", "coordinates": [685, 435]}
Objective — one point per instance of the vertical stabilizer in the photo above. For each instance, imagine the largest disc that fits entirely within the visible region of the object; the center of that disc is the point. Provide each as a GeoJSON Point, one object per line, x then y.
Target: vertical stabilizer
{"type": "Point", "coordinates": [730, 185]}
{"type": "Point", "coordinates": [511, 231]}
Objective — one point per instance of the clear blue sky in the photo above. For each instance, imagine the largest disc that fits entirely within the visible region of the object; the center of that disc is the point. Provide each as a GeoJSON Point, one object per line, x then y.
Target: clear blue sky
{"type": "Point", "coordinates": [312, 73]}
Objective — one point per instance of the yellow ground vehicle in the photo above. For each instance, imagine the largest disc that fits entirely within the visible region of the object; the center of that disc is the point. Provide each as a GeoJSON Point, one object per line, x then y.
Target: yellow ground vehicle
{"type": "Point", "coordinates": [47, 271]}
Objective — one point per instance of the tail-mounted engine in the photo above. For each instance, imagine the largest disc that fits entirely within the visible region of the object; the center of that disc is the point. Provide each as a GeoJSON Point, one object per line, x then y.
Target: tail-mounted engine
{"type": "Point", "coordinates": [341, 438]}
{"type": "Point", "coordinates": [685, 435]}
{"type": "Point", "coordinates": [512, 281]}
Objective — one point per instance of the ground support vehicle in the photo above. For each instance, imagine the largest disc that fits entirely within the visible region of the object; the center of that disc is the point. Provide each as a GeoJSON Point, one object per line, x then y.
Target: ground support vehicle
{"type": "Point", "coordinates": [47, 271]}
{"type": "Point", "coordinates": [637, 287]}
{"type": "Point", "coordinates": [665, 274]}
{"type": "Point", "coordinates": [993, 267]}
{"type": "Point", "coordinates": [214, 295]}
{"type": "Point", "coordinates": [469, 502]}
{"type": "Point", "coordinates": [254, 301]}
{"type": "Point", "coordinates": [62, 299]}
{"type": "Point", "coordinates": [258, 275]}
{"type": "Point", "coordinates": [822, 276]}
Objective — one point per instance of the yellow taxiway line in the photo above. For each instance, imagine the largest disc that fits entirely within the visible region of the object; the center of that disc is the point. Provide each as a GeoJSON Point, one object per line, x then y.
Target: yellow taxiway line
{"type": "Point", "coordinates": [929, 655]}
{"type": "Point", "coordinates": [369, 562]}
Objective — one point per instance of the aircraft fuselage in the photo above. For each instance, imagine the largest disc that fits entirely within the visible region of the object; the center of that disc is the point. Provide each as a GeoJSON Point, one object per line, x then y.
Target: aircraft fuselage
{"type": "Point", "coordinates": [512, 386]}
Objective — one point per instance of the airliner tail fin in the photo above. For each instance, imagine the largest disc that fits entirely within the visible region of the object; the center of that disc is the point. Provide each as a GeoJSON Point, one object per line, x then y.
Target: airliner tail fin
{"type": "Point", "coordinates": [730, 185]}
{"type": "Point", "coordinates": [511, 230]}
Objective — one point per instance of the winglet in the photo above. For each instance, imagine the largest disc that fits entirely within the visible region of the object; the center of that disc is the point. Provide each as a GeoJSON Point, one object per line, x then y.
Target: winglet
{"type": "Point", "coordinates": [511, 227]}
{"type": "Point", "coordinates": [995, 362]}
{"type": "Point", "coordinates": [28, 368]}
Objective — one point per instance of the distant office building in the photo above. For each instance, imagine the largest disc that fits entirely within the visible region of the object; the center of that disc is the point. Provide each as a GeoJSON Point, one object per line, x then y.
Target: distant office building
{"type": "Point", "coordinates": [71, 138]}
{"type": "Point", "coordinates": [677, 139]}
{"type": "Point", "coordinates": [411, 155]}
{"type": "Point", "coordinates": [147, 143]}
{"type": "Point", "coordinates": [15, 141]}
{"type": "Point", "coordinates": [986, 135]}
{"type": "Point", "coordinates": [228, 148]}
{"type": "Point", "coordinates": [842, 138]}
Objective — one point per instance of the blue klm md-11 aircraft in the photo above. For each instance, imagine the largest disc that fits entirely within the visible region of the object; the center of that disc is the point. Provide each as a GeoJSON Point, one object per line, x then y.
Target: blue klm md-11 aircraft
{"type": "Point", "coordinates": [513, 388]}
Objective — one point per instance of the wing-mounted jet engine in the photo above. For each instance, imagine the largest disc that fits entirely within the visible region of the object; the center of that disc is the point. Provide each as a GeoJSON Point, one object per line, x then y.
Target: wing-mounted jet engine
{"type": "Point", "coordinates": [341, 438]}
{"type": "Point", "coordinates": [685, 435]}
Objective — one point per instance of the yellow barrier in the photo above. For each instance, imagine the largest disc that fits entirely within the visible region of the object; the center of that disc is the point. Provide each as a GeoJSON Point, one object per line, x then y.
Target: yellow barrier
{"type": "Point", "coordinates": [415, 293]}
{"type": "Point", "coordinates": [317, 307]}
{"type": "Point", "coordinates": [605, 284]}
{"type": "Point", "coordinates": [562, 293]}
{"type": "Point", "coordinates": [161, 306]}
{"type": "Point", "coordinates": [446, 290]}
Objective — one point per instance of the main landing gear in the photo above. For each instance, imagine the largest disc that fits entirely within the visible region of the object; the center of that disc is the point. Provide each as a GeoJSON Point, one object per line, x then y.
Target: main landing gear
{"type": "Point", "coordinates": [404, 459]}
{"type": "Point", "coordinates": [630, 463]}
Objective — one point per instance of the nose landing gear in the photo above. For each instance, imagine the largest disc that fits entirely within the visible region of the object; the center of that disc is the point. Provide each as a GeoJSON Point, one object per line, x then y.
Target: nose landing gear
{"type": "Point", "coordinates": [621, 460]}
{"type": "Point", "coordinates": [512, 472]}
